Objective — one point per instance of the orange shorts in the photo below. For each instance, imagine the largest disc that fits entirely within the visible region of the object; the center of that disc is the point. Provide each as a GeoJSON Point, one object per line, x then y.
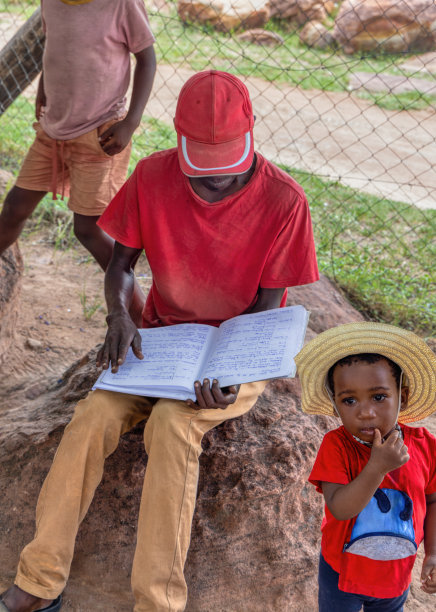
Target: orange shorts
{"type": "Point", "coordinates": [78, 168]}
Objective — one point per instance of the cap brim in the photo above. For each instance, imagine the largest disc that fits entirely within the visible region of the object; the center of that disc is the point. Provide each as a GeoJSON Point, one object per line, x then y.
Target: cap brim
{"type": "Point", "coordinates": [410, 352]}
{"type": "Point", "coordinates": [201, 159]}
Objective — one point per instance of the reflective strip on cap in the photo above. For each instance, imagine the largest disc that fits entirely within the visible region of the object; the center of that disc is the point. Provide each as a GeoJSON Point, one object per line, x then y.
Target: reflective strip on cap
{"type": "Point", "coordinates": [242, 159]}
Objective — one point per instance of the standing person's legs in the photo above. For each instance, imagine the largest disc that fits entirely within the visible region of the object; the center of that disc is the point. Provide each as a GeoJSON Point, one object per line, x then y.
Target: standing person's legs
{"type": "Point", "coordinates": [173, 437]}
{"type": "Point", "coordinates": [332, 599]}
{"type": "Point", "coordinates": [17, 208]}
{"type": "Point", "coordinates": [95, 179]}
{"type": "Point", "coordinates": [92, 435]}
{"type": "Point", "coordinates": [33, 182]}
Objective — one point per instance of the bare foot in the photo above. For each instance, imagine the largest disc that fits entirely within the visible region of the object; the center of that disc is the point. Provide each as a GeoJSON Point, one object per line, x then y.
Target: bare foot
{"type": "Point", "coordinates": [17, 600]}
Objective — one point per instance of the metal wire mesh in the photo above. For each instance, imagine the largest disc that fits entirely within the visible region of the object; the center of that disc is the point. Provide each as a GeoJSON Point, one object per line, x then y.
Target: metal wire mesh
{"type": "Point", "coordinates": [355, 126]}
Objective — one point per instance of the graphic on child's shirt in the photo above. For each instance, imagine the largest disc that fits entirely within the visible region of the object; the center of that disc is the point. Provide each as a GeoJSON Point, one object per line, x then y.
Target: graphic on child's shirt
{"type": "Point", "coordinates": [384, 528]}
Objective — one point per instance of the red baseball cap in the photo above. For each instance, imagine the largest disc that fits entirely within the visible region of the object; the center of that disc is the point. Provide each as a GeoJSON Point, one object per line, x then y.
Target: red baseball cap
{"type": "Point", "coordinates": [214, 123]}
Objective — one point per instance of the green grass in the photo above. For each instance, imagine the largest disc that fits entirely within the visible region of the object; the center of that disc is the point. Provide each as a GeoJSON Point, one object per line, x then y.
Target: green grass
{"type": "Point", "coordinates": [380, 252]}
{"type": "Point", "coordinates": [411, 100]}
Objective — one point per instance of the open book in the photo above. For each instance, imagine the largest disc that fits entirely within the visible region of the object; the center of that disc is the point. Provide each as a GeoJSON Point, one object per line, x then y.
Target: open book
{"type": "Point", "coordinates": [246, 348]}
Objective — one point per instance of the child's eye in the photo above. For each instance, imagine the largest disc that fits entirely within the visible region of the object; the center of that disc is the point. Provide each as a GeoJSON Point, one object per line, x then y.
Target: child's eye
{"type": "Point", "coordinates": [348, 401]}
{"type": "Point", "coordinates": [379, 397]}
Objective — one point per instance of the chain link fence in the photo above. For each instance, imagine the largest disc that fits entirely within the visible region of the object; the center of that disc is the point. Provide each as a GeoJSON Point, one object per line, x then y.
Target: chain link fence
{"type": "Point", "coordinates": [345, 97]}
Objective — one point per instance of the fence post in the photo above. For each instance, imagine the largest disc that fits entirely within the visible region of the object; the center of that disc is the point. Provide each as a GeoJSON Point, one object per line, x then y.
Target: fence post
{"type": "Point", "coordinates": [21, 60]}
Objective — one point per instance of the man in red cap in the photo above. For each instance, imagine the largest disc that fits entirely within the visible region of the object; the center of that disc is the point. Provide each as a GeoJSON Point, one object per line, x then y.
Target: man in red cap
{"type": "Point", "coordinates": [225, 232]}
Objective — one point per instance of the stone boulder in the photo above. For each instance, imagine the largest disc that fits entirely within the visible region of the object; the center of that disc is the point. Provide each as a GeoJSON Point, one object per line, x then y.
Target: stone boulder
{"type": "Point", "coordinates": [255, 538]}
{"type": "Point", "coordinates": [225, 15]}
{"type": "Point", "coordinates": [315, 34]}
{"type": "Point", "coordinates": [259, 36]}
{"type": "Point", "coordinates": [11, 269]}
{"type": "Point", "coordinates": [301, 11]}
{"type": "Point", "coordinates": [393, 26]}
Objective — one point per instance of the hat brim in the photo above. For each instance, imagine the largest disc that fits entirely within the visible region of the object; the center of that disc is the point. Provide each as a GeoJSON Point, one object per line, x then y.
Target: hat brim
{"type": "Point", "coordinates": [410, 352]}
{"type": "Point", "coordinates": [219, 159]}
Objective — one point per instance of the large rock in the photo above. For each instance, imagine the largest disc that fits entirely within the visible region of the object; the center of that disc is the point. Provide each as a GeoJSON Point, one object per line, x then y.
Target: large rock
{"type": "Point", "coordinates": [301, 11]}
{"type": "Point", "coordinates": [394, 26]}
{"type": "Point", "coordinates": [11, 269]}
{"type": "Point", "coordinates": [225, 15]}
{"type": "Point", "coordinates": [315, 34]}
{"type": "Point", "coordinates": [255, 539]}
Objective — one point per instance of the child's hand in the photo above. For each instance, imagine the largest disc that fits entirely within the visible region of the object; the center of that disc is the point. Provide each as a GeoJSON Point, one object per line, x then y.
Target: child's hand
{"type": "Point", "coordinates": [390, 454]}
{"type": "Point", "coordinates": [116, 137]}
{"type": "Point", "coordinates": [428, 574]}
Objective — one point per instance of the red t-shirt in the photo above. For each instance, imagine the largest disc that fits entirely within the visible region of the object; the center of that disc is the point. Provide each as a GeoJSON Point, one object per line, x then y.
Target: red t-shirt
{"type": "Point", "coordinates": [208, 260]}
{"type": "Point", "coordinates": [340, 459]}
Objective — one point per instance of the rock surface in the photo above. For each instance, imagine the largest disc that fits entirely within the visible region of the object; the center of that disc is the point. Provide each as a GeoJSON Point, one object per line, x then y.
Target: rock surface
{"type": "Point", "coordinates": [315, 34]}
{"type": "Point", "coordinates": [301, 11]}
{"type": "Point", "coordinates": [225, 15]}
{"type": "Point", "coordinates": [258, 36]}
{"type": "Point", "coordinates": [11, 268]}
{"type": "Point", "coordinates": [256, 526]}
{"type": "Point", "coordinates": [392, 26]}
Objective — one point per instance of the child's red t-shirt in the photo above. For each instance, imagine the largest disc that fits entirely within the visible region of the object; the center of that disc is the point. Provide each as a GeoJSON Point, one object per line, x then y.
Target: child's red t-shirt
{"type": "Point", "coordinates": [209, 260]}
{"type": "Point", "coordinates": [340, 459]}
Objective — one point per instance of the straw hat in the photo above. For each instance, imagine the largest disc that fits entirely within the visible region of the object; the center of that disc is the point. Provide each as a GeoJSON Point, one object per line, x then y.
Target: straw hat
{"type": "Point", "coordinates": [405, 348]}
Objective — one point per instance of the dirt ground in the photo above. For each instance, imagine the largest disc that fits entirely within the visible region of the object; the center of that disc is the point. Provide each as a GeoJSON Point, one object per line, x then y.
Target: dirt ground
{"type": "Point", "coordinates": [62, 312]}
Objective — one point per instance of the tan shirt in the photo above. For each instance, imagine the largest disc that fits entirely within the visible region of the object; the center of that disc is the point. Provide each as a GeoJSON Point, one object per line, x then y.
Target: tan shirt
{"type": "Point", "coordinates": [86, 62]}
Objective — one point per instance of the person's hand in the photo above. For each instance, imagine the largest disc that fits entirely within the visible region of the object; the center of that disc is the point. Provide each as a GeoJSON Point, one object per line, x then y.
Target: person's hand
{"type": "Point", "coordinates": [213, 397]}
{"type": "Point", "coordinates": [428, 574]}
{"type": "Point", "coordinates": [116, 137]}
{"type": "Point", "coordinates": [121, 334]}
{"type": "Point", "coordinates": [390, 454]}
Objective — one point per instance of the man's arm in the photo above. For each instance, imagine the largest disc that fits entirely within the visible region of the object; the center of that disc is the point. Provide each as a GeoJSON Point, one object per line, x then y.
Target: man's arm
{"type": "Point", "coordinates": [117, 137]}
{"type": "Point", "coordinates": [267, 299]}
{"type": "Point", "coordinates": [428, 572]}
{"type": "Point", "coordinates": [118, 286]}
{"type": "Point", "coordinates": [210, 395]}
{"type": "Point", "coordinates": [346, 501]}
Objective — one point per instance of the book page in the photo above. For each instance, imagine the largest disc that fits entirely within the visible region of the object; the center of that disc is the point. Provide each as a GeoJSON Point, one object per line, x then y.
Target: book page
{"type": "Point", "coordinates": [172, 357]}
{"type": "Point", "coordinates": [257, 346]}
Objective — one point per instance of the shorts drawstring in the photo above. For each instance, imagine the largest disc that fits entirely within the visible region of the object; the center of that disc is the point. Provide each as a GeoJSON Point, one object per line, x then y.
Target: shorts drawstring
{"type": "Point", "coordinates": [55, 168]}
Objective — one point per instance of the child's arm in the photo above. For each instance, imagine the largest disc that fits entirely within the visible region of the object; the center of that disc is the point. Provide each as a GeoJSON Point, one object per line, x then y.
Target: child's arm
{"type": "Point", "coordinates": [117, 137]}
{"type": "Point", "coordinates": [428, 572]}
{"type": "Point", "coordinates": [346, 501]}
{"type": "Point", "coordinates": [40, 97]}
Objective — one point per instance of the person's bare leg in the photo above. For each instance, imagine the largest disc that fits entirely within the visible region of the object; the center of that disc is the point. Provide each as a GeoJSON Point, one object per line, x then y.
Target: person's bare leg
{"type": "Point", "coordinates": [17, 600]}
{"type": "Point", "coordinates": [100, 245]}
{"type": "Point", "coordinates": [17, 208]}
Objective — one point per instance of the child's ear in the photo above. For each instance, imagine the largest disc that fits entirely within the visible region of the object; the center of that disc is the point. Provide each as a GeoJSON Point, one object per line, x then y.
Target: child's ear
{"type": "Point", "coordinates": [404, 398]}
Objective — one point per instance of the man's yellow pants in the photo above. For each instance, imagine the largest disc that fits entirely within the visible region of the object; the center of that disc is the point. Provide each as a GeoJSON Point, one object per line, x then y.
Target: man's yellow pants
{"type": "Point", "coordinates": [172, 437]}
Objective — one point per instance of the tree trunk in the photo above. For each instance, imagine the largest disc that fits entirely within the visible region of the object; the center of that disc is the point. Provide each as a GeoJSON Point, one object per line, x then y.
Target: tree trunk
{"type": "Point", "coordinates": [21, 60]}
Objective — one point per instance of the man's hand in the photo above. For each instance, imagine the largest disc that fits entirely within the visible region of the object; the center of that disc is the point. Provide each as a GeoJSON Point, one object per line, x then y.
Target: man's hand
{"type": "Point", "coordinates": [121, 334]}
{"type": "Point", "coordinates": [388, 455]}
{"type": "Point", "coordinates": [213, 397]}
{"type": "Point", "coordinates": [428, 574]}
{"type": "Point", "coordinates": [117, 137]}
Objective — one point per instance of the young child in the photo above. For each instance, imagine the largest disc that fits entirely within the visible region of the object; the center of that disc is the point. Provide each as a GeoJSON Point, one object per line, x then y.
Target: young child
{"type": "Point", "coordinates": [377, 475]}
{"type": "Point", "coordinates": [83, 129]}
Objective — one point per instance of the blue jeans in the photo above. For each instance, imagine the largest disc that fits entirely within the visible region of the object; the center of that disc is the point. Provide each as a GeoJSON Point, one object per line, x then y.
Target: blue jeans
{"type": "Point", "coordinates": [331, 599]}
